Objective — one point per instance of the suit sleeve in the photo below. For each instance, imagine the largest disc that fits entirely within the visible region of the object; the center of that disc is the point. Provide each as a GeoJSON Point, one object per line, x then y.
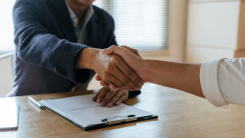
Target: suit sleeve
{"type": "Point", "coordinates": [35, 45]}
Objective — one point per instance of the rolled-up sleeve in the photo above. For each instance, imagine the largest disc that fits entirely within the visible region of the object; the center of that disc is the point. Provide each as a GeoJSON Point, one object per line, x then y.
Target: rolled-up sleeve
{"type": "Point", "coordinates": [223, 81]}
{"type": "Point", "coordinates": [209, 82]}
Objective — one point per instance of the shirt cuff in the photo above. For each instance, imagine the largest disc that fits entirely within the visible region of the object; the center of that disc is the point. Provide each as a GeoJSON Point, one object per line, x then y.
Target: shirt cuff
{"type": "Point", "coordinates": [209, 82]}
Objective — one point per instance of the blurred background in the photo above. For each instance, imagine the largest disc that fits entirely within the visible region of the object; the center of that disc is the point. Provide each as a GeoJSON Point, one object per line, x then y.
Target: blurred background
{"type": "Point", "coordinates": [191, 31]}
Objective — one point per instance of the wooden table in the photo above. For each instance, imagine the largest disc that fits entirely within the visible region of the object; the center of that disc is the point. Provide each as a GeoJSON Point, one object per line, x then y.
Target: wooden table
{"type": "Point", "coordinates": [180, 115]}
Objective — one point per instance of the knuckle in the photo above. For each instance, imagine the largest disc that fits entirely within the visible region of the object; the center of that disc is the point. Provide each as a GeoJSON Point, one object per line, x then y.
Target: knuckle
{"type": "Point", "coordinates": [113, 46]}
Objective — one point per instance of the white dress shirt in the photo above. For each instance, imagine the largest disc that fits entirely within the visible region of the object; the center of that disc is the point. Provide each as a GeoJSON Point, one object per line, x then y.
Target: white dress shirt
{"type": "Point", "coordinates": [81, 33]}
{"type": "Point", "coordinates": [223, 81]}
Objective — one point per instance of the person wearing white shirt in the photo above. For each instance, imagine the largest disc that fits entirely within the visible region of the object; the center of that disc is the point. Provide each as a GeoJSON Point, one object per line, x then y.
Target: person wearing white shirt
{"type": "Point", "coordinates": [220, 81]}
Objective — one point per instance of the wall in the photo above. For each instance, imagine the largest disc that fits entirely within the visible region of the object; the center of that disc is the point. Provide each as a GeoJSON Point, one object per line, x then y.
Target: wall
{"type": "Point", "coordinates": [215, 30]}
{"type": "Point", "coordinates": [178, 12]}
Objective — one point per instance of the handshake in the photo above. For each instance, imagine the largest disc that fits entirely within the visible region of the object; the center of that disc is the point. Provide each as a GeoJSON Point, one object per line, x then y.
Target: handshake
{"type": "Point", "coordinates": [132, 58]}
{"type": "Point", "coordinates": [118, 81]}
{"type": "Point", "coordinates": [121, 69]}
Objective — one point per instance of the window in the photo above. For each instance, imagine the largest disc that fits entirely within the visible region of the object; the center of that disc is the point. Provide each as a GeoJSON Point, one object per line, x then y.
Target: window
{"type": "Point", "coordinates": [6, 26]}
{"type": "Point", "coordinates": [141, 24]}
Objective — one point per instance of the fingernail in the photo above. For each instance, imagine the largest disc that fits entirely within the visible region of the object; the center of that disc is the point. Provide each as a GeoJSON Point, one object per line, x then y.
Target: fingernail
{"type": "Point", "coordinates": [109, 104]}
{"type": "Point", "coordinates": [98, 100]}
{"type": "Point", "coordinates": [118, 103]}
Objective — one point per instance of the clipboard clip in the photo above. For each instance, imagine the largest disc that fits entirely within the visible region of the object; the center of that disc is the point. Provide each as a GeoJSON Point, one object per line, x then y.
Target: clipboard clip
{"type": "Point", "coordinates": [119, 119]}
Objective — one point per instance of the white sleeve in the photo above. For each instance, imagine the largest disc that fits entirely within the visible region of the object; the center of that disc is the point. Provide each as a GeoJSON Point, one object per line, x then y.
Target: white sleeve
{"type": "Point", "coordinates": [223, 81]}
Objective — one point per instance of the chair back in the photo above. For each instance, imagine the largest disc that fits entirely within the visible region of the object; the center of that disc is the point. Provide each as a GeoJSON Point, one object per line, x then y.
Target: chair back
{"type": "Point", "coordinates": [6, 73]}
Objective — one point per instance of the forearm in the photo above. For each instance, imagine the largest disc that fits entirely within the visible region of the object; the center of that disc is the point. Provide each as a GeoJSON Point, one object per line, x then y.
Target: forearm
{"type": "Point", "coordinates": [180, 76]}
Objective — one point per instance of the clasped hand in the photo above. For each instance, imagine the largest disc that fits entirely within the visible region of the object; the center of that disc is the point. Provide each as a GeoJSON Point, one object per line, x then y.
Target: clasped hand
{"type": "Point", "coordinates": [112, 70]}
{"type": "Point", "coordinates": [110, 67]}
{"type": "Point", "coordinates": [111, 97]}
{"type": "Point", "coordinates": [131, 57]}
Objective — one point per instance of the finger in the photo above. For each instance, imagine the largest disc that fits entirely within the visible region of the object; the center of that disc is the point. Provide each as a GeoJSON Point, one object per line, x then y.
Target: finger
{"type": "Point", "coordinates": [132, 50]}
{"type": "Point", "coordinates": [124, 53]}
{"type": "Point", "coordinates": [121, 51]}
{"type": "Point", "coordinates": [106, 83]}
{"type": "Point", "coordinates": [96, 96]}
{"type": "Point", "coordinates": [107, 97]}
{"type": "Point", "coordinates": [109, 50]}
{"type": "Point", "coordinates": [120, 80]}
{"type": "Point", "coordinates": [102, 94]}
{"type": "Point", "coordinates": [116, 71]}
{"type": "Point", "coordinates": [121, 99]}
{"type": "Point", "coordinates": [97, 77]}
{"type": "Point", "coordinates": [130, 76]}
{"type": "Point", "coordinates": [102, 83]}
{"type": "Point", "coordinates": [116, 97]}
{"type": "Point", "coordinates": [113, 87]}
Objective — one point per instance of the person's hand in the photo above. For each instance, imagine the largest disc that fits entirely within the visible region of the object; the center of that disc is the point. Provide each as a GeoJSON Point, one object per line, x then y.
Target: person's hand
{"type": "Point", "coordinates": [129, 55]}
{"type": "Point", "coordinates": [108, 97]}
{"type": "Point", "coordinates": [111, 68]}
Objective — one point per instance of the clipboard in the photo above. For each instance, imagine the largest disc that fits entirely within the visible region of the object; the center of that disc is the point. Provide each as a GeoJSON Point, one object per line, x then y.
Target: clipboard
{"type": "Point", "coordinates": [99, 122]}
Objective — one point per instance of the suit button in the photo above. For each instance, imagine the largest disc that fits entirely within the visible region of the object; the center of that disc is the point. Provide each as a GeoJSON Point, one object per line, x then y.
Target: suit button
{"type": "Point", "coordinates": [55, 69]}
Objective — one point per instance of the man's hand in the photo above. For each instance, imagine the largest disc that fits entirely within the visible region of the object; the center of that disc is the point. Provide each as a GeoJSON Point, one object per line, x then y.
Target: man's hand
{"type": "Point", "coordinates": [109, 97]}
{"type": "Point", "coordinates": [111, 68]}
{"type": "Point", "coordinates": [130, 56]}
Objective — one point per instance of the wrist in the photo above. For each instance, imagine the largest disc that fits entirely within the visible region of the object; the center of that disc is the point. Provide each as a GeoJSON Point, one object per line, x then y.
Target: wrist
{"type": "Point", "coordinates": [85, 58]}
{"type": "Point", "coordinates": [143, 70]}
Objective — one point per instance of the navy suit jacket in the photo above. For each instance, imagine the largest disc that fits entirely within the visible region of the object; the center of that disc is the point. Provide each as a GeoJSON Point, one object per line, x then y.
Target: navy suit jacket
{"type": "Point", "coordinates": [46, 46]}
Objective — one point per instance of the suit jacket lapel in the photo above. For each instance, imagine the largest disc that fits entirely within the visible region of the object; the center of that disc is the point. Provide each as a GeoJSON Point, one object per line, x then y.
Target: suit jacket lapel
{"type": "Point", "coordinates": [94, 32]}
{"type": "Point", "coordinates": [62, 16]}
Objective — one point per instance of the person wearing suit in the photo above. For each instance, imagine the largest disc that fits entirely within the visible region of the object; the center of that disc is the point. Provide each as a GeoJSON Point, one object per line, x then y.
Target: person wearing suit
{"type": "Point", "coordinates": [59, 47]}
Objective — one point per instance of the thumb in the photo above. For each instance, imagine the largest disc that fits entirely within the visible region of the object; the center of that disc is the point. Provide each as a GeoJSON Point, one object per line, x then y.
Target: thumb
{"type": "Point", "coordinates": [110, 50]}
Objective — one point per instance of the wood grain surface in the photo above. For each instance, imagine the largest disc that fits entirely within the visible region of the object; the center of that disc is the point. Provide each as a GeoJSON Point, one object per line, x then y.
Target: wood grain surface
{"type": "Point", "coordinates": [181, 115]}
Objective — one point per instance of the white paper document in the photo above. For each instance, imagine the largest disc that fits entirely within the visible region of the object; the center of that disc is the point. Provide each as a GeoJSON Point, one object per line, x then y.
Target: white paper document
{"type": "Point", "coordinates": [9, 114]}
{"type": "Point", "coordinates": [85, 112]}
